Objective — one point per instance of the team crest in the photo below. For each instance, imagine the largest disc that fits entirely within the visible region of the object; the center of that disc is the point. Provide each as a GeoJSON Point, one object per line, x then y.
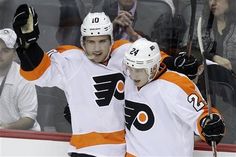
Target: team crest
{"type": "Point", "coordinates": [108, 86]}
{"type": "Point", "coordinates": [139, 115]}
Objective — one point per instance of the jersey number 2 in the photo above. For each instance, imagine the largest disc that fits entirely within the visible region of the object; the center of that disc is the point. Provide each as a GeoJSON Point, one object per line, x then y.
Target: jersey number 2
{"type": "Point", "coordinates": [193, 98]}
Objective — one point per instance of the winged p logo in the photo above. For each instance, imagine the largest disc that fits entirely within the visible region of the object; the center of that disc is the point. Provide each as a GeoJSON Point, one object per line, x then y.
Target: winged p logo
{"type": "Point", "coordinates": [139, 115]}
{"type": "Point", "coordinates": [108, 86]}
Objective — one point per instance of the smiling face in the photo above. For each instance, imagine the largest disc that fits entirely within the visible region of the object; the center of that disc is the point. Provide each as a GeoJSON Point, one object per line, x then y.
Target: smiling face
{"type": "Point", "coordinates": [97, 48]}
{"type": "Point", "coordinates": [219, 7]}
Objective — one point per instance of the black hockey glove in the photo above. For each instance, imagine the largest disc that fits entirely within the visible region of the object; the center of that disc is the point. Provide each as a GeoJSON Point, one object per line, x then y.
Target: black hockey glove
{"type": "Point", "coordinates": [67, 113]}
{"type": "Point", "coordinates": [25, 24]}
{"type": "Point", "coordinates": [213, 129]}
{"type": "Point", "coordinates": [183, 64]}
{"type": "Point", "coordinates": [187, 65]}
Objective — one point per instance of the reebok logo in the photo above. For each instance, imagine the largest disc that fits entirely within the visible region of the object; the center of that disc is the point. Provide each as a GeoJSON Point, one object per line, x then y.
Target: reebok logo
{"type": "Point", "coordinates": [108, 86]}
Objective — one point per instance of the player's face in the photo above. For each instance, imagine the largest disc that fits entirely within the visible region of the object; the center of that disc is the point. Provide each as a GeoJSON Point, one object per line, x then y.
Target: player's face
{"type": "Point", "coordinates": [97, 47]}
{"type": "Point", "coordinates": [6, 55]}
{"type": "Point", "coordinates": [219, 7]}
{"type": "Point", "coordinates": [139, 76]}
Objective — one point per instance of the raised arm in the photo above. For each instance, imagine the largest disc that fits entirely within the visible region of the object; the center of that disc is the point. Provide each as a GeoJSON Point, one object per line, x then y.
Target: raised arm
{"type": "Point", "coordinates": [25, 24]}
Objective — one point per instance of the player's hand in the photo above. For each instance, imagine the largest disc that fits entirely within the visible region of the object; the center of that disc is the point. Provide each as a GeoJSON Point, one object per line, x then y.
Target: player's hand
{"type": "Point", "coordinates": [123, 19]}
{"type": "Point", "coordinates": [132, 34]}
{"type": "Point", "coordinates": [183, 63]}
{"type": "Point", "coordinates": [25, 24]}
{"type": "Point", "coordinates": [187, 65]}
{"type": "Point", "coordinates": [222, 61]}
{"type": "Point", "coordinates": [213, 129]}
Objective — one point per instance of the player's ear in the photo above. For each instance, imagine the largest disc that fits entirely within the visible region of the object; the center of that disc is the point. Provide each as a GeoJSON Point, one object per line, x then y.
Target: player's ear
{"type": "Point", "coordinates": [153, 71]}
{"type": "Point", "coordinates": [83, 42]}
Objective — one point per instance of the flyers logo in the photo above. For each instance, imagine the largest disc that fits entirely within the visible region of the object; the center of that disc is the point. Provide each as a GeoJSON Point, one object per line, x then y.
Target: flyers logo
{"type": "Point", "coordinates": [108, 86]}
{"type": "Point", "coordinates": [139, 115]}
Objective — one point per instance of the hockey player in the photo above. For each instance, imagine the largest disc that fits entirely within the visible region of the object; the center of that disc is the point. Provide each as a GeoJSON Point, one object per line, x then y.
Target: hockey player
{"type": "Point", "coordinates": [92, 80]}
{"type": "Point", "coordinates": [163, 108]}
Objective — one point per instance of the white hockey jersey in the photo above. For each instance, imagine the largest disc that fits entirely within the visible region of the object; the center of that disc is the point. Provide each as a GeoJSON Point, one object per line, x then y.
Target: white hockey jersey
{"type": "Point", "coordinates": [162, 116]}
{"type": "Point", "coordinates": [95, 94]}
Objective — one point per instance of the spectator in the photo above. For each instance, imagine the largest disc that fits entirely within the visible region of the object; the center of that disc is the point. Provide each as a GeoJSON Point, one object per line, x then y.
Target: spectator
{"type": "Point", "coordinates": [223, 32]}
{"type": "Point", "coordinates": [219, 39]}
{"type": "Point", "coordinates": [160, 102]}
{"type": "Point", "coordinates": [92, 80]}
{"type": "Point", "coordinates": [18, 103]}
{"type": "Point", "coordinates": [123, 16]}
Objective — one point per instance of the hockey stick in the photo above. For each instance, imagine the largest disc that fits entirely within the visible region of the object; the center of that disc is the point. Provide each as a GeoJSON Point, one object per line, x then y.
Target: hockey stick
{"type": "Point", "coordinates": [191, 27]}
{"type": "Point", "coordinates": [199, 35]}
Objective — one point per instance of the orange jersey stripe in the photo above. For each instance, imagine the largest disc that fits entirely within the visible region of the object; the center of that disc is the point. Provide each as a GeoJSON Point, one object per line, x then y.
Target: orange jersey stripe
{"type": "Point", "coordinates": [118, 43]}
{"type": "Point", "coordinates": [63, 48]}
{"type": "Point", "coordinates": [94, 138]}
{"type": "Point", "coordinates": [181, 81]}
{"type": "Point", "coordinates": [129, 155]}
{"type": "Point", "coordinates": [38, 71]}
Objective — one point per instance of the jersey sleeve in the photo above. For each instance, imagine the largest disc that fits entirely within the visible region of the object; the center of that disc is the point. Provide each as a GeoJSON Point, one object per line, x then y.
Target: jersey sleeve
{"type": "Point", "coordinates": [51, 68]}
{"type": "Point", "coordinates": [192, 108]}
{"type": "Point", "coordinates": [188, 103]}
